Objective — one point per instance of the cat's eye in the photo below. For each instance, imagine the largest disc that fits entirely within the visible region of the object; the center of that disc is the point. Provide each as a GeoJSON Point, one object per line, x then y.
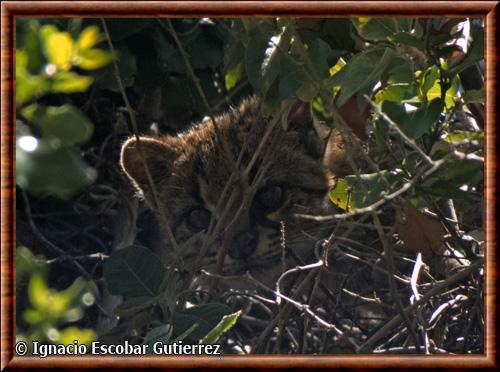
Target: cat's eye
{"type": "Point", "coordinates": [198, 219]}
{"type": "Point", "coordinates": [270, 198]}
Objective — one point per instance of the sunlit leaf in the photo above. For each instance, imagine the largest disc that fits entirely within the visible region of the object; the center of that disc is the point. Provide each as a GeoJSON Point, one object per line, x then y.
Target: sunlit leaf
{"type": "Point", "coordinates": [337, 67]}
{"type": "Point", "coordinates": [206, 316]}
{"type": "Point", "coordinates": [60, 50]}
{"type": "Point", "coordinates": [233, 76]}
{"type": "Point", "coordinates": [38, 291]}
{"type": "Point", "coordinates": [227, 322]}
{"type": "Point", "coordinates": [70, 82]}
{"type": "Point", "coordinates": [92, 59]}
{"type": "Point", "coordinates": [70, 334]}
{"type": "Point", "coordinates": [450, 95]}
{"type": "Point", "coordinates": [341, 195]}
{"type": "Point", "coordinates": [88, 37]}
{"type": "Point", "coordinates": [29, 86]}
{"type": "Point", "coordinates": [461, 137]}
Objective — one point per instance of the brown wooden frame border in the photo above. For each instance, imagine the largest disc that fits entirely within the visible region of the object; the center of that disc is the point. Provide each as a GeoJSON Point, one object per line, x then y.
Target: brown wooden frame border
{"type": "Point", "coordinates": [12, 9]}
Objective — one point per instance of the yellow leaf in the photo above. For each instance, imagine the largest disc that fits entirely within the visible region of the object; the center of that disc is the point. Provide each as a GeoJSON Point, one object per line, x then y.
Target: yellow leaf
{"type": "Point", "coordinates": [92, 59]}
{"type": "Point", "coordinates": [21, 59]}
{"type": "Point", "coordinates": [88, 37]}
{"type": "Point", "coordinates": [450, 96]}
{"type": "Point", "coordinates": [337, 67]}
{"type": "Point", "coordinates": [83, 336]}
{"type": "Point", "coordinates": [341, 195]}
{"type": "Point", "coordinates": [38, 291]}
{"type": "Point", "coordinates": [60, 50]}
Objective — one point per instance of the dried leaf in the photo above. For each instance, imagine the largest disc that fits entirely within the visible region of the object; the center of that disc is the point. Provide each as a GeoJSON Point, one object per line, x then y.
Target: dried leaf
{"type": "Point", "coordinates": [420, 232]}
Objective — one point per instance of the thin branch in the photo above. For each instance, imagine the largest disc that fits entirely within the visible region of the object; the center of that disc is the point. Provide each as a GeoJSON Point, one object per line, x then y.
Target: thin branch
{"type": "Point", "coordinates": [438, 288]}
{"type": "Point", "coordinates": [135, 129]}
{"type": "Point", "coordinates": [394, 126]}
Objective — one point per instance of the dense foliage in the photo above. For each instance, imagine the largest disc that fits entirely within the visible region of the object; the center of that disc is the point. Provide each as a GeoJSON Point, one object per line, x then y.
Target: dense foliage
{"type": "Point", "coordinates": [407, 93]}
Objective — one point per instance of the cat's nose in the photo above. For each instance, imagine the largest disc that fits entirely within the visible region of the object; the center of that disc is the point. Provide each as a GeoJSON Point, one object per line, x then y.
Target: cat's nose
{"type": "Point", "coordinates": [243, 244]}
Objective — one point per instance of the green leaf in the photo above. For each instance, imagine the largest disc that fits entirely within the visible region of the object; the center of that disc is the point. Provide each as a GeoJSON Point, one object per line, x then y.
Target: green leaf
{"type": "Point", "coordinates": [322, 57]}
{"type": "Point", "coordinates": [70, 82]}
{"type": "Point", "coordinates": [430, 78]}
{"type": "Point", "coordinates": [460, 172]}
{"type": "Point", "coordinates": [401, 71]}
{"type": "Point", "coordinates": [461, 137]}
{"type": "Point", "coordinates": [206, 316]}
{"type": "Point", "coordinates": [227, 322]}
{"type": "Point", "coordinates": [27, 264]}
{"type": "Point", "coordinates": [32, 46]}
{"type": "Point", "coordinates": [52, 170]}
{"type": "Point", "coordinates": [308, 91]}
{"type": "Point", "coordinates": [234, 76]}
{"type": "Point", "coordinates": [337, 32]}
{"type": "Point", "coordinates": [370, 188]}
{"type": "Point", "coordinates": [451, 176]}
{"type": "Point", "coordinates": [361, 72]}
{"type": "Point", "coordinates": [291, 77]}
{"type": "Point", "coordinates": [64, 123]}
{"type": "Point", "coordinates": [377, 28]}
{"type": "Point", "coordinates": [29, 86]}
{"type": "Point", "coordinates": [438, 188]}
{"type": "Point", "coordinates": [184, 335]}
{"type": "Point", "coordinates": [133, 305]}
{"type": "Point", "coordinates": [255, 53]}
{"type": "Point", "coordinates": [474, 96]}
{"type": "Point", "coordinates": [416, 123]}
{"type": "Point", "coordinates": [134, 272]}
{"type": "Point", "coordinates": [161, 333]}
{"type": "Point", "coordinates": [396, 93]}
{"type": "Point", "coordinates": [92, 59]}
{"type": "Point", "coordinates": [408, 39]}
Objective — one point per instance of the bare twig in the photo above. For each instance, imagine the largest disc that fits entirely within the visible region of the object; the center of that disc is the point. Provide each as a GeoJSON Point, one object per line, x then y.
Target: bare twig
{"type": "Point", "coordinates": [438, 288]}
{"type": "Point", "coordinates": [156, 199]}
{"type": "Point", "coordinates": [398, 130]}
{"type": "Point", "coordinates": [392, 283]}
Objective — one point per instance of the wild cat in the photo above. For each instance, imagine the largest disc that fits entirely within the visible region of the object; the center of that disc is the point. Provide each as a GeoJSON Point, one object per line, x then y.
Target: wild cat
{"type": "Point", "coordinates": [239, 185]}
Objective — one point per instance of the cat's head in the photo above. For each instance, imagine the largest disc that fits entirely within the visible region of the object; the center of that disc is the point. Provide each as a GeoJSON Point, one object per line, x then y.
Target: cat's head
{"type": "Point", "coordinates": [244, 179]}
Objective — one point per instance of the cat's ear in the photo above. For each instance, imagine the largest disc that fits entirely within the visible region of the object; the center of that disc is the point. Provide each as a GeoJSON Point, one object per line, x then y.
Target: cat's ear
{"type": "Point", "coordinates": [313, 134]}
{"type": "Point", "coordinates": [158, 154]}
